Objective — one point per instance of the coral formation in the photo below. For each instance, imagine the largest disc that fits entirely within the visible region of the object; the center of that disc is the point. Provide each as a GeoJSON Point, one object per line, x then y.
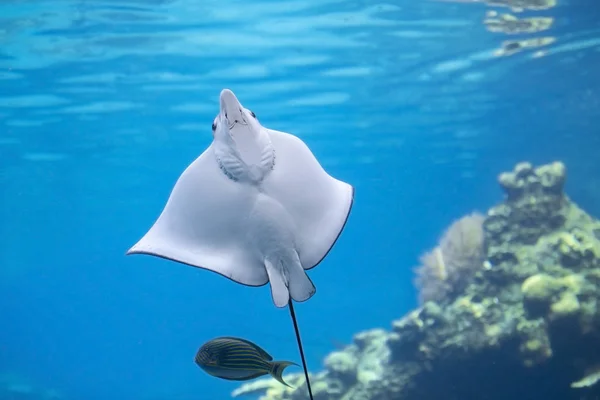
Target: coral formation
{"type": "Point", "coordinates": [527, 326]}
{"type": "Point", "coordinates": [449, 267]}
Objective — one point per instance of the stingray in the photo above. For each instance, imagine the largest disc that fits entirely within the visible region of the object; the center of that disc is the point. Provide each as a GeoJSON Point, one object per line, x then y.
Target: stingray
{"type": "Point", "coordinates": [256, 207]}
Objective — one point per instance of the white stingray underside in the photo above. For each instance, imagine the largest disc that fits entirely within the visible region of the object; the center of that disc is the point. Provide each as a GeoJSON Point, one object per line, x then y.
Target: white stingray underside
{"type": "Point", "coordinates": [213, 222]}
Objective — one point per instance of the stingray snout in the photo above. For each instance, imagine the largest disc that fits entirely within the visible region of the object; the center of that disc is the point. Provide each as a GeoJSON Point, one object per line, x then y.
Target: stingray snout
{"type": "Point", "coordinates": [231, 108]}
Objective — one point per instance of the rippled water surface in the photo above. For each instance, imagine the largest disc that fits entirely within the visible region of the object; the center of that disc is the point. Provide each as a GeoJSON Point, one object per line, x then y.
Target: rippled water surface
{"type": "Point", "coordinates": [419, 104]}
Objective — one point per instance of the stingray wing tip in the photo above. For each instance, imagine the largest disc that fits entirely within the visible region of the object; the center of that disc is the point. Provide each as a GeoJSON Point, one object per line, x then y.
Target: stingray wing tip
{"type": "Point", "coordinates": [137, 248]}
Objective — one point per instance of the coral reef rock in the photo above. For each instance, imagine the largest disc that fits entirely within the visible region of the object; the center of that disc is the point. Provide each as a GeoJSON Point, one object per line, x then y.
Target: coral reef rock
{"type": "Point", "coordinates": [526, 327]}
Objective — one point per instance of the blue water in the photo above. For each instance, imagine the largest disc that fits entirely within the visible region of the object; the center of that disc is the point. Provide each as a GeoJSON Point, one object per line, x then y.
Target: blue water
{"type": "Point", "coordinates": [104, 103]}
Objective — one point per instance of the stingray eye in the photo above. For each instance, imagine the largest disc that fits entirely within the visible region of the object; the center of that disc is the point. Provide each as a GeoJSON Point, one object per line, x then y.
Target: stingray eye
{"type": "Point", "coordinates": [252, 113]}
{"type": "Point", "coordinates": [214, 127]}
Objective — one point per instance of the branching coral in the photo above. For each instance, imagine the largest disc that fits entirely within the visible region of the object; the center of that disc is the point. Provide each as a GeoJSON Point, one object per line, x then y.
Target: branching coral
{"type": "Point", "coordinates": [449, 267]}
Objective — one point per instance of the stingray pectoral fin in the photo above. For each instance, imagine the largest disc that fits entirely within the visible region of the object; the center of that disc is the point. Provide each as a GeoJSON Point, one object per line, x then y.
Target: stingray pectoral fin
{"type": "Point", "coordinates": [230, 264]}
{"type": "Point", "coordinates": [204, 224]}
{"type": "Point", "coordinates": [318, 204]}
{"type": "Point", "coordinates": [279, 289]}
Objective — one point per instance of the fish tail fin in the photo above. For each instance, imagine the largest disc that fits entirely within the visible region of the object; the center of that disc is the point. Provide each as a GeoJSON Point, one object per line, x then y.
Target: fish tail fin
{"type": "Point", "coordinates": [277, 368]}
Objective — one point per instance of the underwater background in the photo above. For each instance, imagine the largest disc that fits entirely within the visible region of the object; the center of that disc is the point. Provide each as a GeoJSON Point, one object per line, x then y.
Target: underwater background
{"type": "Point", "coordinates": [420, 105]}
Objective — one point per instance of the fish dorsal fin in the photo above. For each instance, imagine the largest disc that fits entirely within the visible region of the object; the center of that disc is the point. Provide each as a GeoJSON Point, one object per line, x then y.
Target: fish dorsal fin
{"type": "Point", "coordinates": [249, 343]}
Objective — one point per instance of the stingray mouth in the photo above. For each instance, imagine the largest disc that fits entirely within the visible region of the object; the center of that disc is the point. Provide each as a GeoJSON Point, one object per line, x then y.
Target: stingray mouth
{"type": "Point", "coordinates": [232, 122]}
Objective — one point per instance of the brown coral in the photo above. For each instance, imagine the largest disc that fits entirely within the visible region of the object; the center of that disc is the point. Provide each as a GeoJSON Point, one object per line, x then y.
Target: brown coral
{"type": "Point", "coordinates": [448, 268]}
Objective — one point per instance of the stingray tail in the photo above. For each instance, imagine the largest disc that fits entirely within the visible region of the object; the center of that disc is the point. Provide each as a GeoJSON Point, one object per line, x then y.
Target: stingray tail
{"type": "Point", "coordinates": [293, 315]}
{"type": "Point", "coordinates": [277, 368]}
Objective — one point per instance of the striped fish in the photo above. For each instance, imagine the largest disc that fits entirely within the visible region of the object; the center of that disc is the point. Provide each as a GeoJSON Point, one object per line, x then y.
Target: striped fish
{"type": "Point", "coordinates": [238, 359]}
